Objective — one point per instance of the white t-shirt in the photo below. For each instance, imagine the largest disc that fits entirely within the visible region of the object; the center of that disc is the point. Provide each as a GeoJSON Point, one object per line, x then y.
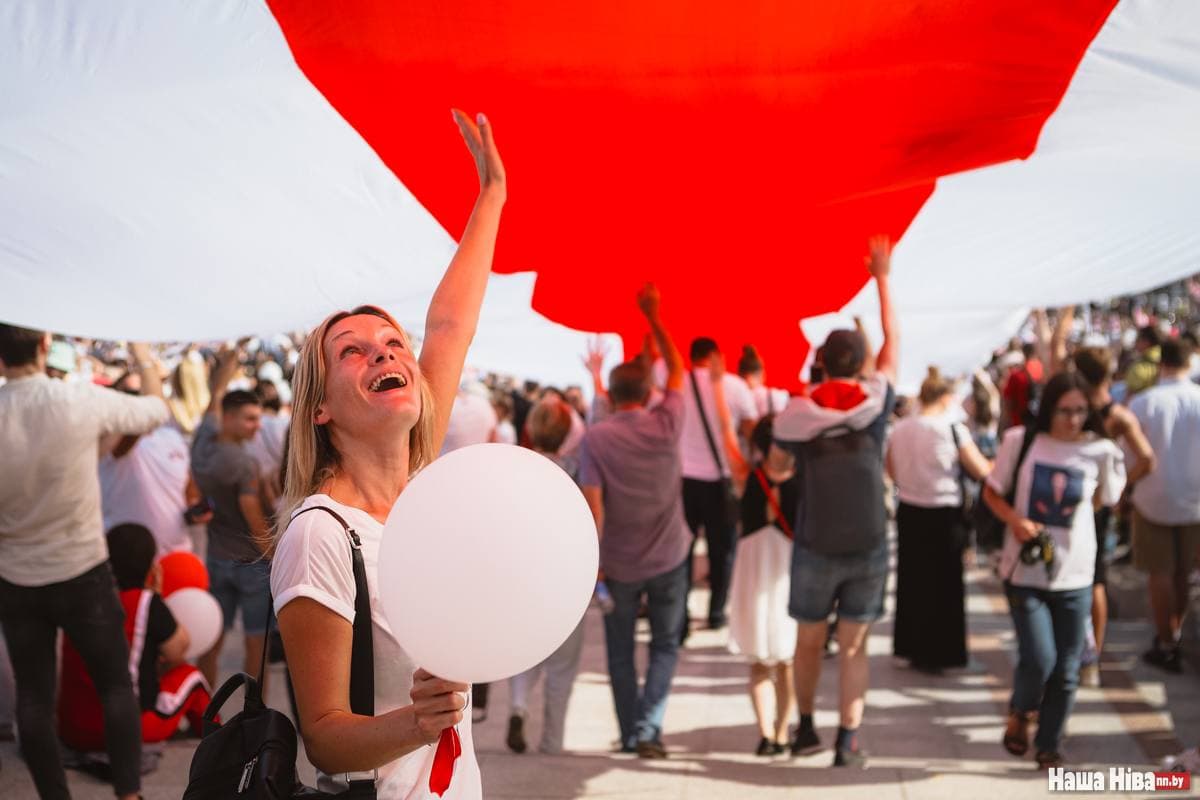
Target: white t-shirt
{"type": "Point", "coordinates": [472, 421]}
{"type": "Point", "coordinates": [51, 528]}
{"type": "Point", "coordinates": [313, 560]}
{"type": "Point", "coordinates": [696, 454]}
{"type": "Point", "coordinates": [266, 448]}
{"type": "Point", "coordinates": [506, 433]}
{"type": "Point", "coordinates": [147, 486]}
{"type": "Point", "coordinates": [1056, 486]}
{"type": "Point", "coordinates": [768, 400]}
{"type": "Point", "coordinates": [925, 460]}
{"type": "Point", "coordinates": [1169, 414]}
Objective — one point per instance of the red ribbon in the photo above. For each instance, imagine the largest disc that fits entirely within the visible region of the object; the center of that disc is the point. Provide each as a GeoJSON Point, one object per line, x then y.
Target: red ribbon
{"type": "Point", "coordinates": [448, 750]}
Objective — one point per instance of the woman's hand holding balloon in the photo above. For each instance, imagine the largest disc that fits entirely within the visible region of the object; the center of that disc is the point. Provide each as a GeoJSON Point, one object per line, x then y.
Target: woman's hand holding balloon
{"type": "Point", "coordinates": [437, 704]}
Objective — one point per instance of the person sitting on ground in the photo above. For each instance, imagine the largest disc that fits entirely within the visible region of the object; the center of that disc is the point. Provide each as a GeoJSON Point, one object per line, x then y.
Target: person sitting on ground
{"type": "Point", "coordinates": [169, 690]}
{"type": "Point", "coordinates": [548, 426]}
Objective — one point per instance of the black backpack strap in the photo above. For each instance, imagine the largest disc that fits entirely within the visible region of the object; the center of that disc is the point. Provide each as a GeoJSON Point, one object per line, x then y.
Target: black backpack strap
{"type": "Point", "coordinates": [362, 651]}
{"type": "Point", "coordinates": [712, 443]}
{"type": "Point", "coordinates": [362, 658]}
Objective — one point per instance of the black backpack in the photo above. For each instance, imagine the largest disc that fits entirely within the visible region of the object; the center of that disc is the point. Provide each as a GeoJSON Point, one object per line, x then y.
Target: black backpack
{"type": "Point", "coordinates": [253, 754]}
{"type": "Point", "coordinates": [841, 492]}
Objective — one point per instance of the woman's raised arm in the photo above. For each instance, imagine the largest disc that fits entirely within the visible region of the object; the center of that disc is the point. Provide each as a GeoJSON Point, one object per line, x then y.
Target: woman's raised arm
{"type": "Point", "coordinates": [454, 311]}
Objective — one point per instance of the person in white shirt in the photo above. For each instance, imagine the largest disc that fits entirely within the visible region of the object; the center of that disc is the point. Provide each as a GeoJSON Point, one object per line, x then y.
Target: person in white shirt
{"type": "Point", "coordinates": [1060, 471]}
{"type": "Point", "coordinates": [927, 454]}
{"type": "Point", "coordinates": [1166, 503]}
{"type": "Point", "coordinates": [751, 371]}
{"type": "Point", "coordinates": [54, 571]}
{"type": "Point", "coordinates": [472, 420]}
{"type": "Point", "coordinates": [367, 415]}
{"type": "Point", "coordinates": [711, 466]}
{"type": "Point", "coordinates": [147, 480]}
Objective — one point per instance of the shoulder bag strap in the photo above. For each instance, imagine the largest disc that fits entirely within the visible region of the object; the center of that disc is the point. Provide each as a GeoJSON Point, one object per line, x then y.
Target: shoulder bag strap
{"type": "Point", "coordinates": [712, 443]}
{"type": "Point", "coordinates": [779, 517]}
{"type": "Point", "coordinates": [962, 479]}
{"type": "Point", "coordinates": [362, 659]}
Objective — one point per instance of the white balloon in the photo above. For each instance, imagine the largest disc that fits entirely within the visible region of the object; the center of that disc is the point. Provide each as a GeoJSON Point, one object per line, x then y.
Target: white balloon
{"type": "Point", "coordinates": [488, 562]}
{"type": "Point", "coordinates": [200, 614]}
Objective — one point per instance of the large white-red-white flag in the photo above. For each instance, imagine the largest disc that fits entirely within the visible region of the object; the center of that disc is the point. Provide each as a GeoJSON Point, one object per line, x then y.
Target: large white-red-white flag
{"type": "Point", "coordinates": [196, 169]}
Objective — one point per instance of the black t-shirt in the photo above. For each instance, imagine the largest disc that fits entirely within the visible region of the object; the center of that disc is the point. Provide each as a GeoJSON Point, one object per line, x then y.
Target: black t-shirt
{"type": "Point", "coordinates": [160, 626]}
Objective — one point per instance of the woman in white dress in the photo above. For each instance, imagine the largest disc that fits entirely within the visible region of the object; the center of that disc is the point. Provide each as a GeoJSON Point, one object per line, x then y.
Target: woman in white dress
{"type": "Point", "coordinates": [759, 625]}
{"type": "Point", "coordinates": [367, 415]}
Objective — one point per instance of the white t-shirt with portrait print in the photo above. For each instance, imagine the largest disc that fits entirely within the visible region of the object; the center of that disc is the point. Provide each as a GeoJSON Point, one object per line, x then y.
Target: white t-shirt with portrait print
{"type": "Point", "coordinates": [313, 560]}
{"type": "Point", "coordinates": [1057, 487]}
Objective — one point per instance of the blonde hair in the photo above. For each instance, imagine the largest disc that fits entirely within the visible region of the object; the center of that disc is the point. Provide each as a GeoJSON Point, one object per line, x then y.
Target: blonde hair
{"type": "Point", "coordinates": [311, 457]}
{"type": "Point", "coordinates": [934, 387]}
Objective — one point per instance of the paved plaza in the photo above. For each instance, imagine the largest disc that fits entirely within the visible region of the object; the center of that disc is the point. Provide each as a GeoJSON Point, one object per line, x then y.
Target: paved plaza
{"type": "Point", "coordinates": [929, 737]}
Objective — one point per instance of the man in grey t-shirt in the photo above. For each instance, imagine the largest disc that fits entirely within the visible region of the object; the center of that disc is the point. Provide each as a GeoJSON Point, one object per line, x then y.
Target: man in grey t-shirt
{"type": "Point", "coordinates": [630, 474]}
{"type": "Point", "coordinates": [225, 470]}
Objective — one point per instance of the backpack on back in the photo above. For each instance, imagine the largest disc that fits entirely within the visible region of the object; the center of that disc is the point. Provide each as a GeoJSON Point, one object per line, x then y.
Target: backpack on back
{"type": "Point", "coordinates": [841, 506]}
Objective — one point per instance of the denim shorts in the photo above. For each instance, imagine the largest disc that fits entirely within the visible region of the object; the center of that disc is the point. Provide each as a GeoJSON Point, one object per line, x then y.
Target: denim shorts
{"type": "Point", "coordinates": [245, 586]}
{"type": "Point", "coordinates": [855, 584]}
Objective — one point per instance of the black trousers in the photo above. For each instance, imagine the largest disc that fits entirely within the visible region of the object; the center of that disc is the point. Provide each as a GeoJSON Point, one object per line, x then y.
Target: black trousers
{"type": "Point", "coordinates": [704, 506]}
{"type": "Point", "coordinates": [89, 611]}
{"type": "Point", "coordinates": [931, 619]}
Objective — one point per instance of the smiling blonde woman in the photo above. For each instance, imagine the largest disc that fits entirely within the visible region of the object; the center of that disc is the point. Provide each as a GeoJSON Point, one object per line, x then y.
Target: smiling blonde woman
{"type": "Point", "coordinates": [368, 414]}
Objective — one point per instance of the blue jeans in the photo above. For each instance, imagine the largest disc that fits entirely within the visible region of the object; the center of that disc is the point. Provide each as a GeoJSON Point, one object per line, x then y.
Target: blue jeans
{"type": "Point", "coordinates": [1050, 633]}
{"type": "Point", "coordinates": [640, 712]}
{"type": "Point", "coordinates": [242, 585]}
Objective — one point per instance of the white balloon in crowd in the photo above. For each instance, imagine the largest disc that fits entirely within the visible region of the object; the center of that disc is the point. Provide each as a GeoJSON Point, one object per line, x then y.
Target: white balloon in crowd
{"type": "Point", "coordinates": [200, 615]}
{"type": "Point", "coordinates": [488, 562]}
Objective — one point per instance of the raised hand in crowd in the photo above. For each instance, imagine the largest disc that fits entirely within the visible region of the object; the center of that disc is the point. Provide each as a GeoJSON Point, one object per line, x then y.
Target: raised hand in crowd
{"type": "Point", "coordinates": [879, 264]}
{"type": "Point", "coordinates": [649, 301]}
{"type": "Point", "coordinates": [593, 361]}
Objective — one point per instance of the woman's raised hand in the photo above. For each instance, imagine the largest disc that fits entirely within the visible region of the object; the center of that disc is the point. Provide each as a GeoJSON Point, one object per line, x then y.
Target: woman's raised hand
{"type": "Point", "coordinates": [478, 136]}
{"type": "Point", "coordinates": [437, 704]}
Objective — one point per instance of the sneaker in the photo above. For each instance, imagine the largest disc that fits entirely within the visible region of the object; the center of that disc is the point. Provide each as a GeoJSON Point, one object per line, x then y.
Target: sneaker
{"type": "Point", "coordinates": [1048, 759]}
{"type": "Point", "coordinates": [1167, 658]}
{"type": "Point", "coordinates": [855, 759]}
{"type": "Point", "coordinates": [1089, 676]}
{"type": "Point", "coordinates": [516, 734]}
{"type": "Point", "coordinates": [651, 749]}
{"type": "Point", "coordinates": [806, 742]}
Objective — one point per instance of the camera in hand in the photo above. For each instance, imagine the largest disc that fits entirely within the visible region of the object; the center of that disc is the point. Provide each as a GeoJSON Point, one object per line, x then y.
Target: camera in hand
{"type": "Point", "coordinates": [1039, 549]}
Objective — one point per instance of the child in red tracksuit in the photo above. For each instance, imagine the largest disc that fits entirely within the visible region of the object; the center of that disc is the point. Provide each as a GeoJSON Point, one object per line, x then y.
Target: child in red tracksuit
{"type": "Point", "coordinates": [168, 689]}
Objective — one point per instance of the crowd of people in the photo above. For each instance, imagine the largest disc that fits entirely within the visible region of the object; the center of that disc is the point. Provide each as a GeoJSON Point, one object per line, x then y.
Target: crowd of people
{"type": "Point", "coordinates": [1074, 441]}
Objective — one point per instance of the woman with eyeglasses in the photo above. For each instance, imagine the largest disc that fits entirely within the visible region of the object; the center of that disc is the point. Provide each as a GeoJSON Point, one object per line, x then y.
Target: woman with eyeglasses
{"type": "Point", "coordinates": [1061, 471]}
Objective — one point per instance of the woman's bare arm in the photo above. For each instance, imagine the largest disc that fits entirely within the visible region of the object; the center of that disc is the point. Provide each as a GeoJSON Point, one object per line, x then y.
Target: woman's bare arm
{"type": "Point", "coordinates": [1130, 430]}
{"type": "Point", "coordinates": [454, 309]}
{"type": "Point", "coordinates": [318, 643]}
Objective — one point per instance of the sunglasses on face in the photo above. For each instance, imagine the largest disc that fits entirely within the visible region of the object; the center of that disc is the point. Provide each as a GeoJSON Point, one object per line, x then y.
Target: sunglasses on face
{"type": "Point", "coordinates": [1072, 411]}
